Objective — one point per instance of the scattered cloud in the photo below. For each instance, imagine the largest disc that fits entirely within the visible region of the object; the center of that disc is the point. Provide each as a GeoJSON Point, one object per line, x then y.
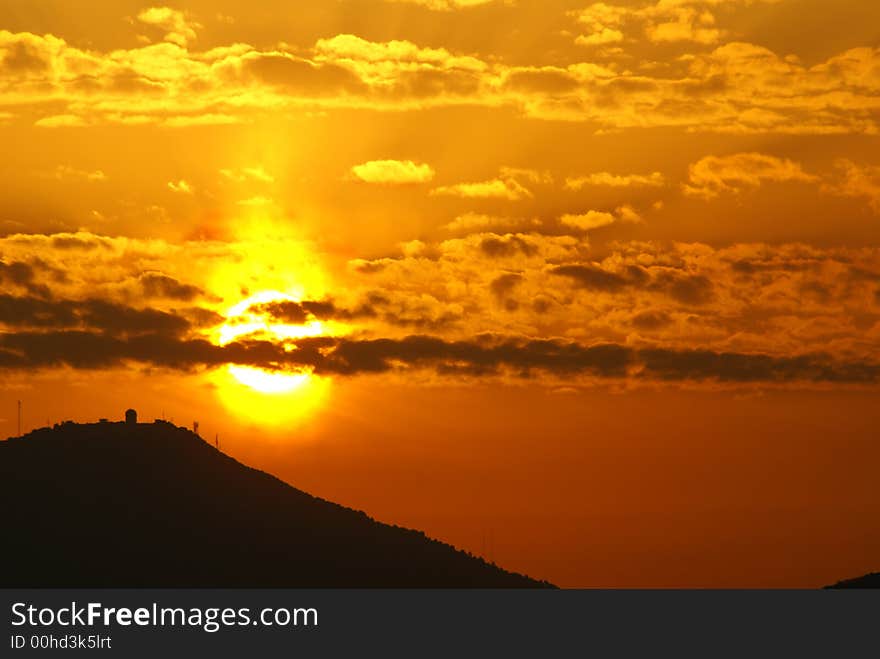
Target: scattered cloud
{"type": "Point", "coordinates": [780, 312]}
{"type": "Point", "coordinates": [248, 174]}
{"type": "Point", "coordinates": [177, 27]}
{"type": "Point", "coordinates": [496, 188]}
{"type": "Point", "coordinates": [715, 175]}
{"type": "Point", "coordinates": [506, 186]}
{"type": "Point", "coordinates": [596, 219]}
{"type": "Point", "coordinates": [180, 186]}
{"type": "Point", "coordinates": [479, 222]}
{"type": "Point", "coordinates": [393, 172]}
{"type": "Point", "coordinates": [653, 180]}
{"type": "Point", "coordinates": [664, 21]}
{"type": "Point", "coordinates": [855, 180]}
{"type": "Point", "coordinates": [159, 285]}
{"type": "Point", "coordinates": [477, 357]}
{"type": "Point", "coordinates": [448, 5]}
{"type": "Point", "coordinates": [589, 220]}
{"type": "Point", "coordinates": [61, 121]}
{"type": "Point", "coordinates": [684, 24]}
{"type": "Point", "coordinates": [63, 172]}
{"type": "Point", "coordinates": [258, 200]}
{"type": "Point", "coordinates": [737, 87]}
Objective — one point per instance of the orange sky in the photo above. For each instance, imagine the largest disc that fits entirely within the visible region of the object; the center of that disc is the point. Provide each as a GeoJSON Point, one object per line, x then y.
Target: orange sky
{"type": "Point", "coordinates": [591, 289]}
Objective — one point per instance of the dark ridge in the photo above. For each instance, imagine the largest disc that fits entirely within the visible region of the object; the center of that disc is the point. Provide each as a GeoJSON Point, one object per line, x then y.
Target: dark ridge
{"type": "Point", "coordinates": [867, 581]}
{"type": "Point", "coordinates": [153, 505]}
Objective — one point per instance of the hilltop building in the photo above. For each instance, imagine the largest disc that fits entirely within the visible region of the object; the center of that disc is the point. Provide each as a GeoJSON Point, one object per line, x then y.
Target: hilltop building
{"type": "Point", "coordinates": [131, 417]}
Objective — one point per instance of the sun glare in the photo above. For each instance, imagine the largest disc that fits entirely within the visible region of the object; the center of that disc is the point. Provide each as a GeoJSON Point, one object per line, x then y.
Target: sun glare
{"type": "Point", "coordinates": [267, 382]}
{"type": "Point", "coordinates": [260, 395]}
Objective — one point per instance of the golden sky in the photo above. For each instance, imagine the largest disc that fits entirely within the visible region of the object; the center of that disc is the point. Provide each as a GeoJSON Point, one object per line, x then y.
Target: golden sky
{"type": "Point", "coordinates": [591, 289]}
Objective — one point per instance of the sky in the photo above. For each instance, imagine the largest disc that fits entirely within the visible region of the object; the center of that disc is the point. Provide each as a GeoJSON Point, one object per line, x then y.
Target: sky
{"type": "Point", "coordinates": [589, 289]}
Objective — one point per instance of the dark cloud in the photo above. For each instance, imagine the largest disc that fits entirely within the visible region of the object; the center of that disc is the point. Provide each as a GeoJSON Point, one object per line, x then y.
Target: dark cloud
{"type": "Point", "coordinates": [542, 304]}
{"type": "Point", "coordinates": [292, 313]}
{"type": "Point", "coordinates": [156, 284]}
{"type": "Point", "coordinates": [374, 305]}
{"type": "Point", "coordinates": [369, 267]}
{"type": "Point", "coordinates": [651, 320]}
{"type": "Point", "coordinates": [428, 83]}
{"type": "Point", "coordinates": [23, 58]}
{"type": "Point", "coordinates": [754, 266]}
{"type": "Point", "coordinates": [201, 318]}
{"type": "Point", "coordinates": [815, 290]}
{"type": "Point", "coordinates": [593, 277]}
{"type": "Point", "coordinates": [482, 355]}
{"type": "Point", "coordinates": [28, 312]}
{"type": "Point", "coordinates": [740, 367]}
{"type": "Point", "coordinates": [89, 350]}
{"type": "Point", "coordinates": [298, 313]}
{"type": "Point", "coordinates": [22, 275]}
{"type": "Point", "coordinates": [298, 75]}
{"type": "Point", "coordinates": [683, 287]}
{"type": "Point", "coordinates": [863, 274]}
{"type": "Point", "coordinates": [504, 284]}
{"type": "Point", "coordinates": [542, 82]}
{"type": "Point", "coordinates": [89, 243]}
{"type": "Point", "coordinates": [506, 246]}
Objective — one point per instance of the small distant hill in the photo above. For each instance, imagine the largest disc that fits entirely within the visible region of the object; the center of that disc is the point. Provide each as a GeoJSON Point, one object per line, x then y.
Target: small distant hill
{"type": "Point", "coordinates": [139, 505]}
{"type": "Point", "coordinates": [868, 581]}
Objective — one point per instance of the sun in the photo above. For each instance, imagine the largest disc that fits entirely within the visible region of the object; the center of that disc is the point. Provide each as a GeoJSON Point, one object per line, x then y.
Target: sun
{"type": "Point", "coordinates": [260, 395]}
{"type": "Point", "coordinates": [267, 382]}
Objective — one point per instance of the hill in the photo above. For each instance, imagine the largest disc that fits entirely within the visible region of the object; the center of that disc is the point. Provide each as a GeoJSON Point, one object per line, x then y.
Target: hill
{"type": "Point", "coordinates": [140, 505]}
{"type": "Point", "coordinates": [867, 581]}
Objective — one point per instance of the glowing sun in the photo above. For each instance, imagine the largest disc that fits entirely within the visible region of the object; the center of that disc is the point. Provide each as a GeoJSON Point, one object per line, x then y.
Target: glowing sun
{"type": "Point", "coordinates": [269, 397]}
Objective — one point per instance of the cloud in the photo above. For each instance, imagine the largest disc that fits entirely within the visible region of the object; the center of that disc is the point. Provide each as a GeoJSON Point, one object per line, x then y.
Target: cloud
{"type": "Point", "coordinates": [373, 57]}
{"type": "Point", "coordinates": [90, 314]}
{"type": "Point", "coordinates": [477, 357]}
{"type": "Point", "coordinates": [67, 172]}
{"type": "Point", "coordinates": [493, 189]}
{"type": "Point", "coordinates": [686, 288]}
{"type": "Point", "coordinates": [61, 121]}
{"type": "Point", "coordinates": [258, 200]}
{"type": "Point", "coordinates": [713, 175]}
{"type": "Point", "coordinates": [601, 37]}
{"type": "Point", "coordinates": [22, 275]}
{"type": "Point", "coordinates": [393, 172]}
{"type": "Point", "coordinates": [587, 221]}
{"type": "Point", "coordinates": [248, 174]}
{"type": "Point", "coordinates": [489, 303]}
{"type": "Point", "coordinates": [597, 219]}
{"type": "Point", "coordinates": [448, 5]}
{"type": "Point", "coordinates": [506, 186]}
{"type": "Point", "coordinates": [859, 181]}
{"type": "Point", "coordinates": [178, 29]}
{"type": "Point", "coordinates": [503, 284]}
{"type": "Point", "coordinates": [156, 284]}
{"type": "Point", "coordinates": [479, 222]}
{"type": "Point", "coordinates": [653, 180]}
{"type": "Point", "coordinates": [738, 87]}
{"type": "Point", "coordinates": [180, 186]}
{"type": "Point", "coordinates": [685, 24]}
{"type": "Point", "coordinates": [665, 21]}
{"type": "Point", "coordinates": [207, 119]}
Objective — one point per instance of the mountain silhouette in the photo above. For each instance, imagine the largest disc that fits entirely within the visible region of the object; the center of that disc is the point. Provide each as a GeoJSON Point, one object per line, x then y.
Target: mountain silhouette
{"type": "Point", "coordinates": [154, 505]}
{"type": "Point", "coordinates": [867, 581]}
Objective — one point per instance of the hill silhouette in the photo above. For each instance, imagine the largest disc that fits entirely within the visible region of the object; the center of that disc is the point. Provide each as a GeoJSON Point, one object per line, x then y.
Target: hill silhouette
{"type": "Point", "coordinates": [138, 505]}
{"type": "Point", "coordinates": [867, 581]}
